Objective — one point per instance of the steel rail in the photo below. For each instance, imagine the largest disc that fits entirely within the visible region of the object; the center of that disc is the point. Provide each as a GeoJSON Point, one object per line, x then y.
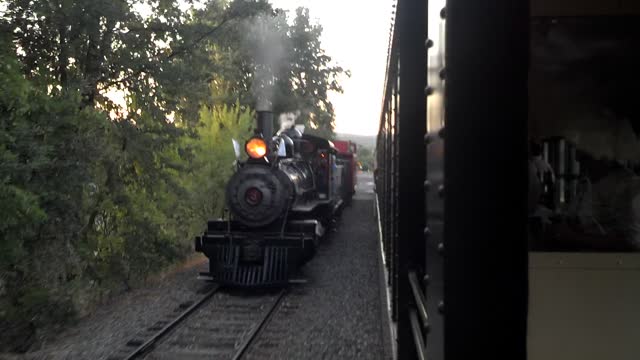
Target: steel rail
{"type": "Point", "coordinates": [135, 354]}
{"type": "Point", "coordinates": [256, 330]}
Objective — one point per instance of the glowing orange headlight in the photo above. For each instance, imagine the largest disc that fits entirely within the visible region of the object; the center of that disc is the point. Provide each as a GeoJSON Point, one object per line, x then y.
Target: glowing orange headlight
{"type": "Point", "coordinates": [256, 148]}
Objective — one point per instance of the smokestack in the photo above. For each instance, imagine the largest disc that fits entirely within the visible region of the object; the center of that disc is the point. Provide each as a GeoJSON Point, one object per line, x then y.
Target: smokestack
{"type": "Point", "coordinates": [264, 118]}
{"type": "Point", "coordinates": [265, 124]}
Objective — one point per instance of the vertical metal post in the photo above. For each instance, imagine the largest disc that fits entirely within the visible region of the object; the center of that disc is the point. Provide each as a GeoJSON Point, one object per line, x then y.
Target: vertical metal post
{"type": "Point", "coordinates": [388, 194]}
{"type": "Point", "coordinates": [383, 176]}
{"type": "Point", "coordinates": [486, 179]}
{"type": "Point", "coordinates": [393, 129]}
{"type": "Point", "coordinates": [412, 27]}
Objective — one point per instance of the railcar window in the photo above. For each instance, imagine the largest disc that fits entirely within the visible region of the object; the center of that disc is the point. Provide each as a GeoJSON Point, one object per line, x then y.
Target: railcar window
{"type": "Point", "coordinates": [584, 126]}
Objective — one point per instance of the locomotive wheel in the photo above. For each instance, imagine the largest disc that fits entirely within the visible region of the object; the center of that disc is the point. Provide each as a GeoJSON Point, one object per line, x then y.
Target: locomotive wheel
{"type": "Point", "coordinates": [258, 195]}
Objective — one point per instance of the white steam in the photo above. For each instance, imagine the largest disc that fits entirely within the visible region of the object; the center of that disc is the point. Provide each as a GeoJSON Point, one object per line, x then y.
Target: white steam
{"type": "Point", "coordinates": [288, 120]}
{"type": "Point", "coordinates": [266, 39]}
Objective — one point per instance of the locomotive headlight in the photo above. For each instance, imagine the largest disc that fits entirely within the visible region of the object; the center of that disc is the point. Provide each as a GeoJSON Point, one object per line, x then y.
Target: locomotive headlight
{"type": "Point", "coordinates": [256, 148]}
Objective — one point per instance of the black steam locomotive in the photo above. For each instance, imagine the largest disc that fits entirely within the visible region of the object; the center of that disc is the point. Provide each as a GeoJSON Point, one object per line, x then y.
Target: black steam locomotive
{"type": "Point", "coordinates": [280, 203]}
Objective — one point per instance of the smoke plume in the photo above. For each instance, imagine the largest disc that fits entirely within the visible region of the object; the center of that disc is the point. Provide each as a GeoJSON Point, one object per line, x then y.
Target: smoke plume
{"type": "Point", "coordinates": [266, 39]}
{"type": "Point", "coordinates": [288, 120]}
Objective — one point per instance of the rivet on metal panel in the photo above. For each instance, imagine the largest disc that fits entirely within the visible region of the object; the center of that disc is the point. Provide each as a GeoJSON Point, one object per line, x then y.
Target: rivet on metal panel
{"type": "Point", "coordinates": [428, 90]}
{"type": "Point", "coordinates": [427, 185]}
{"type": "Point", "coordinates": [443, 13]}
{"type": "Point", "coordinates": [427, 231]}
{"type": "Point", "coordinates": [441, 307]}
{"type": "Point", "coordinates": [428, 44]}
{"type": "Point", "coordinates": [441, 248]}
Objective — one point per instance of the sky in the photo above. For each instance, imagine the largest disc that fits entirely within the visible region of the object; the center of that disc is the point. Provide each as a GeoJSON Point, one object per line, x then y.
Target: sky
{"type": "Point", "coordinates": [355, 35]}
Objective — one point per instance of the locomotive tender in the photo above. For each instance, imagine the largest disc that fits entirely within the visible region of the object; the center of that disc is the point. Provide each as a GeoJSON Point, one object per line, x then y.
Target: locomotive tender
{"type": "Point", "coordinates": [280, 202]}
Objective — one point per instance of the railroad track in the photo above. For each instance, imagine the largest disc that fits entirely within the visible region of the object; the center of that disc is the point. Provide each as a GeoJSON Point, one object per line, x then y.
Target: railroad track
{"type": "Point", "coordinates": [218, 325]}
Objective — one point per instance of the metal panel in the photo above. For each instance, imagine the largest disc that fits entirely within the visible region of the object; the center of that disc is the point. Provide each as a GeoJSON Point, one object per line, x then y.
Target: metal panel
{"type": "Point", "coordinates": [411, 128]}
{"type": "Point", "coordinates": [486, 179]}
{"type": "Point", "coordinates": [435, 176]}
{"type": "Point", "coordinates": [584, 306]}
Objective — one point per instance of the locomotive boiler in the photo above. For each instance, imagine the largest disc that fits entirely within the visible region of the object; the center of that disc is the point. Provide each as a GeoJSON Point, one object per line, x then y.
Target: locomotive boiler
{"type": "Point", "coordinates": [280, 202]}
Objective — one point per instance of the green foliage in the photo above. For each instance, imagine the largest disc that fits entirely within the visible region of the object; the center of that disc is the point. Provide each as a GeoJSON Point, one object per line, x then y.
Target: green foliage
{"type": "Point", "coordinates": [214, 156]}
{"type": "Point", "coordinates": [365, 158]}
{"type": "Point", "coordinates": [47, 147]}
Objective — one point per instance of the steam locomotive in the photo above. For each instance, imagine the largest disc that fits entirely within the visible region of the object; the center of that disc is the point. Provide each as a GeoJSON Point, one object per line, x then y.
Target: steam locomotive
{"type": "Point", "coordinates": [280, 203]}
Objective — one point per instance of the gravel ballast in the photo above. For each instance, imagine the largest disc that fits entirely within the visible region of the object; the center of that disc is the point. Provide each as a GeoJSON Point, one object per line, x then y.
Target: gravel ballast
{"type": "Point", "coordinates": [109, 328]}
{"type": "Point", "coordinates": [337, 314]}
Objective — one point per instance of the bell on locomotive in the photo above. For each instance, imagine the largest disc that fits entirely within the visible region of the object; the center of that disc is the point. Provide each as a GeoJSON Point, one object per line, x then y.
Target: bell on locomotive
{"type": "Point", "coordinates": [279, 203]}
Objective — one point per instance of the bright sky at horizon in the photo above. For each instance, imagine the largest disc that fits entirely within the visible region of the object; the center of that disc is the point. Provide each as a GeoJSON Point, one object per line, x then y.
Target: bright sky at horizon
{"type": "Point", "coordinates": [355, 34]}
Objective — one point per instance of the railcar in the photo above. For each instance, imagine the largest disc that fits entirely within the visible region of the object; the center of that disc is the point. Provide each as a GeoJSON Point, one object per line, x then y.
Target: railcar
{"type": "Point", "coordinates": [280, 202]}
{"type": "Point", "coordinates": [492, 261]}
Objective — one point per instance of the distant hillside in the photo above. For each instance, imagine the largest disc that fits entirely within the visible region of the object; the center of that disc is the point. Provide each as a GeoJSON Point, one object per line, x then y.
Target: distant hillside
{"type": "Point", "coordinates": [362, 140]}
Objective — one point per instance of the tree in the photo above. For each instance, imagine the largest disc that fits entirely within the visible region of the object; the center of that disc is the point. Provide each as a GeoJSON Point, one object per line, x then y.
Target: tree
{"type": "Point", "coordinates": [302, 73]}
{"type": "Point", "coordinates": [312, 77]}
{"type": "Point", "coordinates": [365, 157]}
{"type": "Point", "coordinates": [49, 146]}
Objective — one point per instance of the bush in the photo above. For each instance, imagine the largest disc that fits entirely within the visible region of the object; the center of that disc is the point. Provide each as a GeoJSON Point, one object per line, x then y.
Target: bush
{"type": "Point", "coordinates": [92, 206]}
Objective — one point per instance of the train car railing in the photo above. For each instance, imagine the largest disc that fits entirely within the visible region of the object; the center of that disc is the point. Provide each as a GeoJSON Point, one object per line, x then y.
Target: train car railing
{"type": "Point", "coordinates": [418, 314]}
{"type": "Point", "coordinates": [485, 112]}
{"type": "Point", "coordinates": [400, 184]}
